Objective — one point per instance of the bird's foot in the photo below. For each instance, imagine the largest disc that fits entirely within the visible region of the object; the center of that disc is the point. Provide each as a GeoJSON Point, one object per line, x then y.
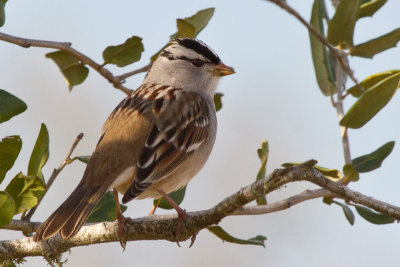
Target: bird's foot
{"type": "Point", "coordinates": [182, 215]}
{"type": "Point", "coordinates": [121, 223]}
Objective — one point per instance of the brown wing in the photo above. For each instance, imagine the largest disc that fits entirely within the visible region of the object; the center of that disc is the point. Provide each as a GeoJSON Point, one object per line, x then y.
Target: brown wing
{"type": "Point", "coordinates": [180, 126]}
{"type": "Point", "coordinates": [124, 133]}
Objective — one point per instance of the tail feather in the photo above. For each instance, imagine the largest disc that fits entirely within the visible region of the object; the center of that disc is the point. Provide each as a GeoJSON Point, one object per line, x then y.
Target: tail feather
{"type": "Point", "coordinates": [72, 214]}
{"type": "Point", "coordinates": [79, 217]}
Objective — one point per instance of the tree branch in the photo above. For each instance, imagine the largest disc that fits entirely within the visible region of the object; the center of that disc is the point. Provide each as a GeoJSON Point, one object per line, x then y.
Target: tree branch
{"type": "Point", "coordinates": [67, 47]}
{"type": "Point", "coordinates": [55, 174]}
{"type": "Point", "coordinates": [129, 74]}
{"type": "Point", "coordinates": [283, 204]}
{"type": "Point", "coordinates": [22, 225]}
{"type": "Point", "coordinates": [340, 114]}
{"type": "Point", "coordinates": [338, 54]}
{"type": "Point", "coordinates": [162, 227]}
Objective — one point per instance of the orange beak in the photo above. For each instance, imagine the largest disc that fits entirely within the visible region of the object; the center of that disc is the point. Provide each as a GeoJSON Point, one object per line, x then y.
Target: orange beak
{"type": "Point", "coordinates": [222, 70]}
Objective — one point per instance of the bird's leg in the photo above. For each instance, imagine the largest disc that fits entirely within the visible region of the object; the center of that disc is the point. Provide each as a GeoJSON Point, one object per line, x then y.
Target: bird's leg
{"type": "Point", "coordinates": [182, 215]}
{"type": "Point", "coordinates": [153, 210]}
{"type": "Point", "coordinates": [121, 220]}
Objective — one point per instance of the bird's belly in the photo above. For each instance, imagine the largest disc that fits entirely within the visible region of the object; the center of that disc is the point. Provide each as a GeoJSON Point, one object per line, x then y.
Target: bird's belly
{"type": "Point", "coordinates": [123, 181]}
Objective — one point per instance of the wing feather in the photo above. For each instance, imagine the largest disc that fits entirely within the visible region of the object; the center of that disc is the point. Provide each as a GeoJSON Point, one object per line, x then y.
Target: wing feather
{"type": "Point", "coordinates": [180, 126]}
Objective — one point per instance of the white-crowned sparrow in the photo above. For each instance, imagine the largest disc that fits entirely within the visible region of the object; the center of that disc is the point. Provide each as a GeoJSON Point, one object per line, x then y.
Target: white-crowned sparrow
{"type": "Point", "coordinates": [154, 141]}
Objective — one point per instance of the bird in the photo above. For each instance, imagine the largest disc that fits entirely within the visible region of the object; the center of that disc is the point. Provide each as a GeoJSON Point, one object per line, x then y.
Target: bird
{"type": "Point", "coordinates": [154, 142]}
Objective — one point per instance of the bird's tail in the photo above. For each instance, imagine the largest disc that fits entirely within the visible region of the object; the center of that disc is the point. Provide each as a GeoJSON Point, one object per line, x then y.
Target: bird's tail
{"type": "Point", "coordinates": [72, 214]}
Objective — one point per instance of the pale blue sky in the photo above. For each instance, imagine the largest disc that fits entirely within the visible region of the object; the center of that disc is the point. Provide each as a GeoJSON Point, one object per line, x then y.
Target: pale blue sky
{"type": "Point", "coordinates": [272, 96]}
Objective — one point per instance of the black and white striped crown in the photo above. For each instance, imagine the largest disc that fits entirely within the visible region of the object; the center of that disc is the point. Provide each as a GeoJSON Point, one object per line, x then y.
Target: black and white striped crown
{"type": "Point", "coordinates": [199, 47]}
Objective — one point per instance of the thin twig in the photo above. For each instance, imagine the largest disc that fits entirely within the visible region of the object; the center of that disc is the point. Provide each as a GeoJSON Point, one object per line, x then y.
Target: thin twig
{"type": "Point", "coordinates": [340, 55]}
{"type": "Point", "coordinates": [22, 225]}
{"type": "Point", "coordinates": [55, 174]}
{"type": "Point", "coordinates": [340, 114]}
{"type": "Point", "coordinates": [65, 46]}
{"type": "Point", "coordinates": [347, 93]}
{"type": "Point", "coordinates": [332, 101]}
{"type": "Point", "coordinates": [283, 204]}
{"type": "Point", "coordinates": [129, 74]}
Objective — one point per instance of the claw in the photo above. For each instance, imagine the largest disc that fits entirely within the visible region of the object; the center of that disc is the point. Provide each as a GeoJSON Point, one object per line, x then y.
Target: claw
{"type": "Point", "coordinates": [121, 224]}
{"type": "Point", "coordinates": [192, 239]}
{"type": "Point", "coordinates": [182, 215]}
{"type": "Point", "coordinates": [121, 221]}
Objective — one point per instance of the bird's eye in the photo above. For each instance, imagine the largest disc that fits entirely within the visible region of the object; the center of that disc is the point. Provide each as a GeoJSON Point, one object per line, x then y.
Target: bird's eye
{"type": "Point", "coordinates": [197, 62]}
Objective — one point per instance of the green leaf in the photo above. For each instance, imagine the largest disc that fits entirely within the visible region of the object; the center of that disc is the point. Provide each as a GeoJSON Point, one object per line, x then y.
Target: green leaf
{"type": "Point", "coordinates": [373, 217]}
{"type": "Point", "coordinates": [371, 102]}
{"type": "Point", "coordinates": [200, 20]}
{"type": "Point", "coordinates": [10, 106]}
{"type": "Point", "coordinates": [26, 191]}
{"type": "Point", "coordinates": [218, 231]}
{"type": "Point", "coordinates": [333, 173]}
{"type": "Point", "coordinates": [323, 61]}
{"type": "Point", "coordinates": [369, 8]}
{"type": "Point", "coordinates": [124, 54]}
{"type": "Point", "coordinates": [290, 164]}
{"type": "Point", "coordinates": [73, 70]}
{"type": "Point", "coordinates": [347, 212]}
{"type": "Point", "coordinates": [12, 263]}
{"type": "Point", "coordinates": [263, 156]}
{"type": "Point", "coordinates": [176, 196]}
{"type": "Point", "coordinates": [369, 82]}
{"type": "Point", "coordinates": [105, 210]}
{"type": "Point", "coordinates": [327, 200]}
{"type": "Point", "coordinates": [7, 208]}
{"type": "Point", "coordinates": [84, 159]}
{"type": "Point", "coordinates": [350, 173]}
{"type": "Point", "coordinates": [375, 46]}
{"type": "Point", "coordinates": [341, 26]}
{"type": "Point", "coordinates": [40, 154]}
{"type": "Point", "coordinates": [330, 173]}
{"type": "Point", "coordinates": [218, 101]}
{"type": "Point", "coordinates": [10, 147]}
{"type": "Point", "coordinates": [2, 12]}
{"type": "Point", "coordinates": [373, 160]}
{"type": "Point", "coordinates": [189, 27]}
{"type": "Point", "coordinates": [185, 29]}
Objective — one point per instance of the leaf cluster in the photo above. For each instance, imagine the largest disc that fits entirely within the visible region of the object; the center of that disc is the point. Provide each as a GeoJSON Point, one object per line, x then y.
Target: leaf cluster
{"type": "Point", "coordinates": [372, 94]}
{"type": "Point", "coordinates": [23, 191]}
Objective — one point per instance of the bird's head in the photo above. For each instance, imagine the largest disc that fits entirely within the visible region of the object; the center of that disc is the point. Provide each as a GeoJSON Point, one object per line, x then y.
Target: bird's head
{"type": "Point", "coordinates": [189, 64]}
